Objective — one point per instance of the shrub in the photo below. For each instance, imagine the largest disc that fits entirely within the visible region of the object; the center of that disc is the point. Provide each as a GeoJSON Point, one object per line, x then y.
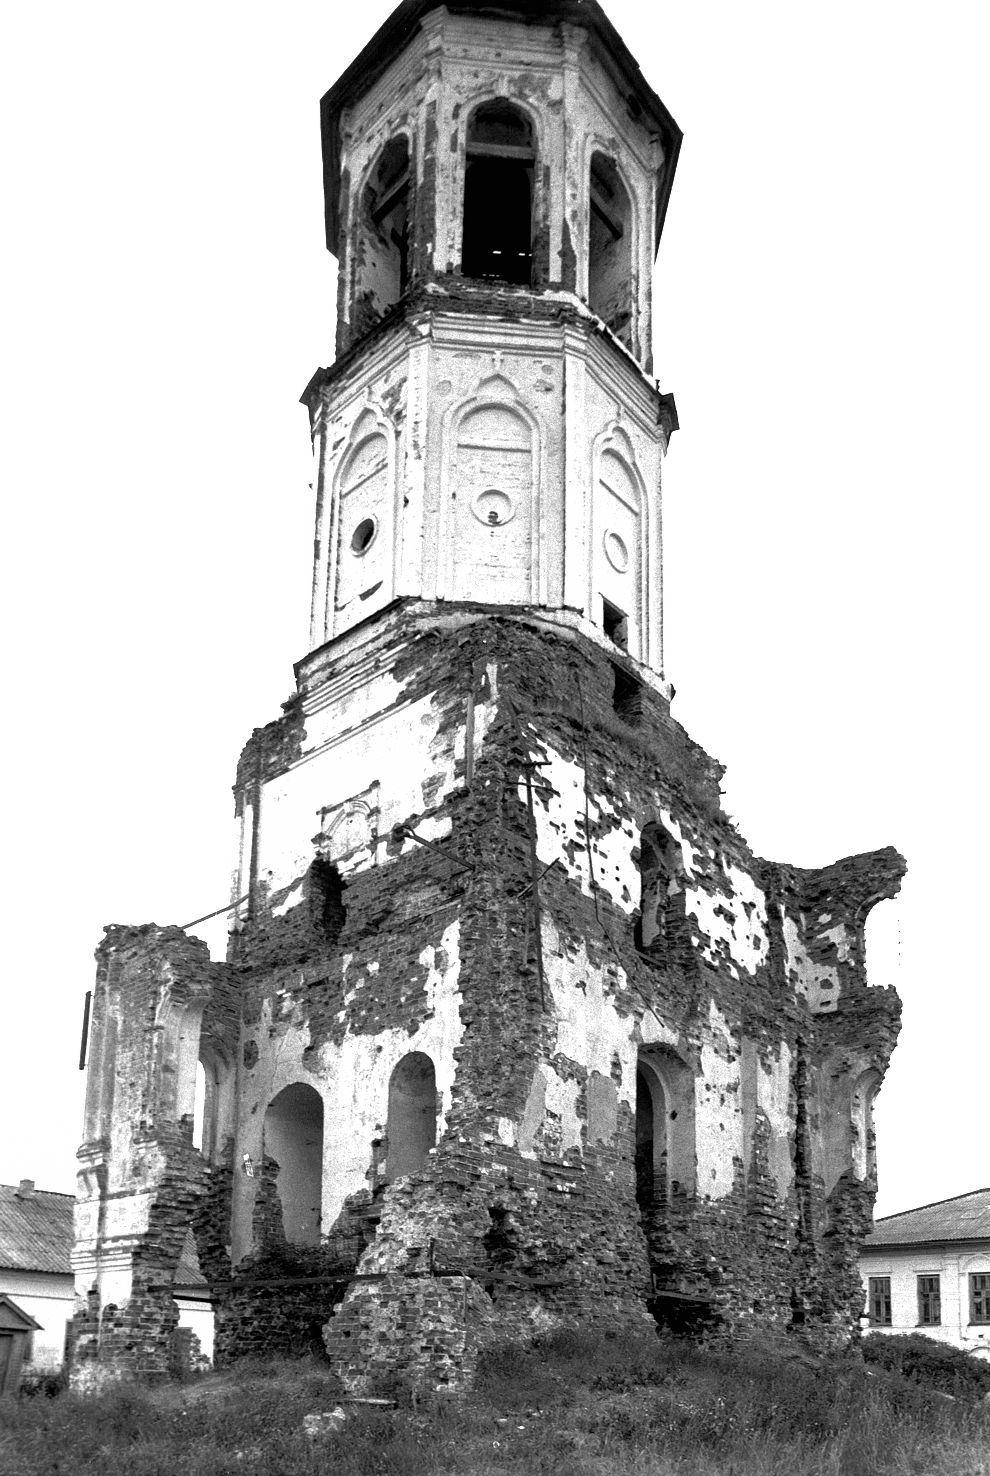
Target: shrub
{"type": "Point", "coordinates": [934, 1365]}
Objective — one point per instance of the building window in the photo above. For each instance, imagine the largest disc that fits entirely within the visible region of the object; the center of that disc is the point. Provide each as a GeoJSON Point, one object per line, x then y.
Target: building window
{"type": "Point", "coordinates": [498, 194]}
{"type": "Point", "coordinates": [879, 1301]}
{"type": "Point", "coordinates": [929, 1301]}
{"type": "Point", "coordinates": [979, 1296]}
{"type": "Point", "coordinates": [610, 248]}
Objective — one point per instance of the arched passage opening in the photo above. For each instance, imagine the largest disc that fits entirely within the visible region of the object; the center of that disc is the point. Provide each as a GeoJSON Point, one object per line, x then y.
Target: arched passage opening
{"type": "Point", "coordinates": [498, 194]}
{"type": "Point", "coordinates": [610, 261]}
{"type": "Point", "coordinates": [381, 272]}
{"type": "Point", "coordinates": [651, 1144]}
{"type": "Point", "coordinates": [412, 1114]}
{"type": "Point", "coordinates": [666, 1166]}
{"type": "Point", "coordinates": [293, 1138]}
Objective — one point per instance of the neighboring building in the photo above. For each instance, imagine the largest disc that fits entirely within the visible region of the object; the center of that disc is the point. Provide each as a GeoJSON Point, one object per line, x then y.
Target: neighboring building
{"type": "Point", "coordinates": [515, 1030]}
{"type": "Point", "coordinates": [927, 1270]}
{"type": "Point", "coordinates": [35, 1274]}
{"type": "Point", "coordinates": [36, 1236]}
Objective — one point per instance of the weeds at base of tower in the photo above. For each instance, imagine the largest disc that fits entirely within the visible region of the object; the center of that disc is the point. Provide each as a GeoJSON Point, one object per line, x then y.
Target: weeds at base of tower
{"type": "Point", "coordinates": [579, 1404]}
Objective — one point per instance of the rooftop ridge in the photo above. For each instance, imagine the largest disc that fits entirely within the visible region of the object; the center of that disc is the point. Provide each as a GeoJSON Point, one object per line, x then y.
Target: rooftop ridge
{"type": "Point", "coordinates": [899, 1214]}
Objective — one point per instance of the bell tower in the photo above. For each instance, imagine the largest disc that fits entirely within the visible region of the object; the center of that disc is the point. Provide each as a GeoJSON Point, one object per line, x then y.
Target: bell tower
{"type": "Point", "coordinates": [490, 433]}
{"type": "Point", "coordinates": [515, 1031]}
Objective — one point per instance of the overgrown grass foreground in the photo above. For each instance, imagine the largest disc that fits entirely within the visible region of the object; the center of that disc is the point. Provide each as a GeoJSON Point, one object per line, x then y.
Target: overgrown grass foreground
{"type": "Point", "coordinates": [573, 1405]}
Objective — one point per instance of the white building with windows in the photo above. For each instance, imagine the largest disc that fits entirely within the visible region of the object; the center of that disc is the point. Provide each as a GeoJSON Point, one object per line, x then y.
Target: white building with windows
{"type": "Point", "coordinates": [927, 1270]}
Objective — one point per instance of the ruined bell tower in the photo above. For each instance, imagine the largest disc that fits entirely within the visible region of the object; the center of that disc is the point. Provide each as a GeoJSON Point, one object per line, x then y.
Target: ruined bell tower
{"type": "Point", "coordinates": [514, 1030]}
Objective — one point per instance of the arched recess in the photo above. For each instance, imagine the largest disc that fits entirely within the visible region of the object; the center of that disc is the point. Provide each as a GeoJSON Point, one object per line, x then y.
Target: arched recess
{"type": "Point", "coordinates": [661, 893]}
{"type": "Point", "coordinates": [619, 593]}
{"type": "Point", "coordinates": [611, 248]}
{"type": "Point", "coordinates": [499, 176]}
{"type": "Point", "coordinates": [863, 1134]}
{"type": "Point", "coordinates": [489, 502]}
{"type": "Point", "coordinates": [666, 1162]}
{"type": "Point", "coordinates": [363, 548]}
{"type": "Point", "coordinates": [381, 235]}
{"type": "Point", "coordinates": [293, 1138]}
{"type": "Point", "coordinates": [412, 1115]}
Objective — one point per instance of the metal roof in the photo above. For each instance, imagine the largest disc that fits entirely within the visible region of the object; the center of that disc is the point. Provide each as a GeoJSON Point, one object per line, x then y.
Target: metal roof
{"type": "Point", "coordinates": [966, 1217]}
{"type": "Point", "coordinates": [35, 1230]}
{"type": "Point", "coordinates": [36, 1234]}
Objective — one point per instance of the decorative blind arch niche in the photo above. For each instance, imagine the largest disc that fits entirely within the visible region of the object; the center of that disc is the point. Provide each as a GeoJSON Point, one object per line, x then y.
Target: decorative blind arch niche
{"type": "Point", "coordinates": [619, 591]}
{"type": "Point", "coordinates": [362, 555]}
{"type": "Point", "coordinates": [489, 499]}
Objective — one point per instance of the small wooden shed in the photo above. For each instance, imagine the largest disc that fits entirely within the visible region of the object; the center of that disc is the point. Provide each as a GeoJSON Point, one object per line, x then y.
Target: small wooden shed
{"type": "Point", "coordinates": [15, 1329]}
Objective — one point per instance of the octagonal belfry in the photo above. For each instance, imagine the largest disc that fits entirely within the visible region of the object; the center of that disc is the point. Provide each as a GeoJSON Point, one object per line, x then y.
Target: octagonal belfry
{"type": "Point", "coordinates": [515, 1031]}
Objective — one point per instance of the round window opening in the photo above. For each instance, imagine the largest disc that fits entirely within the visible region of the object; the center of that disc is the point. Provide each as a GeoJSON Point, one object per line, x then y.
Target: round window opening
{"type": "Point", "coordinates": [616, 551]}
{"type": "Point", "coordinates": [493, 507]}
{"type": "Point", "coordinates": [364, 535]}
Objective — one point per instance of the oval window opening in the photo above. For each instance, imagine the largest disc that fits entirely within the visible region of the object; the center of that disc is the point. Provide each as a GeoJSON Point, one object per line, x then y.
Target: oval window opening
{"type": "Point", "coordinates": [364, 535]}
{"type": "Point", "coordinates": [616, 552]}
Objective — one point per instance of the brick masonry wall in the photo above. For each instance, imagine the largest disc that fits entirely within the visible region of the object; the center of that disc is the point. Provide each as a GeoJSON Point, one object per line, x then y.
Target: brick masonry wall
{"type": "Point", "coordinates": [534, 1004]}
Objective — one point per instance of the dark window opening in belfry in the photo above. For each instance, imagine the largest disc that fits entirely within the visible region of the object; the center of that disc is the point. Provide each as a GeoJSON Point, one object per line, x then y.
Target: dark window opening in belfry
{"type": "Point", "coordinates": [412, 1115]}
{"type": "Point", "coordinates": [661, 901]}
{"type": "Point", "coordinates": [382, 256]}
{"type": "Point", "coordinates": [498, 195]}
{"type": "Point", "coordinates": [325, 892]}
{"type": "Point", "coordinates": [610, 277]}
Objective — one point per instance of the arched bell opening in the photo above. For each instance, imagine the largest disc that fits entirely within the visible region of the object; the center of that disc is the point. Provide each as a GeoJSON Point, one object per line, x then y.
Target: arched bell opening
{"type": "Point", "coordinates": [610, 248]}
{"type": "Point", "coordinates": [382, 245]}
{"type": "Point", "coordinates": [498, 194]}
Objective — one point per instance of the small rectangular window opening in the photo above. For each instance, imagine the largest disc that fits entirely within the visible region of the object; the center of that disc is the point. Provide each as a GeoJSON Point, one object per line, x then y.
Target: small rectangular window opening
{"type": "Point", "coordinates": [615, 625]}
{"type": "Point", "coordinates": [627, 696]}
{"type": "Point", "coordinates": [929, 1301]}
{"type": "Point", "coordinates": [979, 1296]}
{"type": "Point", "coordinates": [879, 1301]}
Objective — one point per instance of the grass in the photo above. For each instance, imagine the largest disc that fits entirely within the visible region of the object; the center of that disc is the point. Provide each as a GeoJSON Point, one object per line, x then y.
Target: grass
{"type": "Point", "coordinates": [573, 1406]}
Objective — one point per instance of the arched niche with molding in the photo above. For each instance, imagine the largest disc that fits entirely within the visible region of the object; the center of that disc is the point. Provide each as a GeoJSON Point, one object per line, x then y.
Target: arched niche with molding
{"type": "Point", "coordinates": [363, 534]}
{"type": "Point", "coordinates": [620, 583]}
{"type": "Point", "coordinates": [489, 517]}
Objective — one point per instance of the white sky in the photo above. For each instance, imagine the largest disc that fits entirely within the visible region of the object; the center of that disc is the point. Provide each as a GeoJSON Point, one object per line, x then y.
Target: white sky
{"type": "Point", "coordinates": [823, 319]}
